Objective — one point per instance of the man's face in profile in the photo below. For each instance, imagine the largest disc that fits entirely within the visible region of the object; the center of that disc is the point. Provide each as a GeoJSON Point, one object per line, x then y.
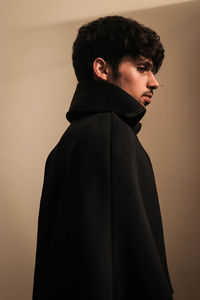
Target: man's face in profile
{"type": "Point", "coordinates": [136, 78]}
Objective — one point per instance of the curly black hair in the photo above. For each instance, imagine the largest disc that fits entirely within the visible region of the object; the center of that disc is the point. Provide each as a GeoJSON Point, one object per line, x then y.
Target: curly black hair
{"type": "Point", "coordinates": [112, 38]}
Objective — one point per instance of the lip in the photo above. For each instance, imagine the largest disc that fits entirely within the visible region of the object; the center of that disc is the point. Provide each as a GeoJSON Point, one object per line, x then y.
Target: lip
{"type": "Point", "coordinates": [148, 97]}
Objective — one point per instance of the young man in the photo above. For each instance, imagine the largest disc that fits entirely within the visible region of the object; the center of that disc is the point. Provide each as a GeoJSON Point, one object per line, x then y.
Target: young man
{"type": "Point", "coordinates": [100, 234]}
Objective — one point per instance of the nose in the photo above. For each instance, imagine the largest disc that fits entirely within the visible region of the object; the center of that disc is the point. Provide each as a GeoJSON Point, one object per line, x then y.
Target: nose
{"type": "Point", "coordinates": [152, 82]}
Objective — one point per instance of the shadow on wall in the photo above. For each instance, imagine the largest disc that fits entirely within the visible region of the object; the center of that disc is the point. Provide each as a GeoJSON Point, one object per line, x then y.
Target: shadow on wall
{"type": "Point", "coordinates": [39, 84]}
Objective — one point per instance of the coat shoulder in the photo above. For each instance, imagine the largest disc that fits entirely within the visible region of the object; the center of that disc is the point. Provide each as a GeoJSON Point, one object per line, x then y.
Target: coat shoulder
{"type": "Point", "coordinates": [99, 126]}
{"type": "Point", "coordinates": [96, 132]}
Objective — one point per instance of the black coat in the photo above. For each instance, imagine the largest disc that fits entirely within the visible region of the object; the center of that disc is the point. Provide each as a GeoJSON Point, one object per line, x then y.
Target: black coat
{"type": "Point", "coordinates": [100, 233]}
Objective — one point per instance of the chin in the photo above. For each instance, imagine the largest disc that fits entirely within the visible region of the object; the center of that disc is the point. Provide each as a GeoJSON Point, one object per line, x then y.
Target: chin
{"type": "Point", "coordinates": [143, 103]}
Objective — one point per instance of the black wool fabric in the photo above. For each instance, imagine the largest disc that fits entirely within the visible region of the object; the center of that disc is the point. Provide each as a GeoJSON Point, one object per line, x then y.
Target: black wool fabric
{"type": "Point", "coordinates": [100, 234]}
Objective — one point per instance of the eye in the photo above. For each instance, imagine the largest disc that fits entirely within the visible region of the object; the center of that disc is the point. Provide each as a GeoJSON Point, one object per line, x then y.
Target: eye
{"type": "Point", "coordinates": [142, 68]}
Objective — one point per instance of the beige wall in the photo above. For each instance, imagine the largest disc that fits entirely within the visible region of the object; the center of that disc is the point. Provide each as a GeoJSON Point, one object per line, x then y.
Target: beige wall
{"type": "Point", "coordinates": [28, 13]}
{"type": "Point", "coordinates": [38, 83]}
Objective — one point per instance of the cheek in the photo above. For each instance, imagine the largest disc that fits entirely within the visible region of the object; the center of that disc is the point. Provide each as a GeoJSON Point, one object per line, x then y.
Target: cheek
{"type": "Point", "coordinates": [129, 82]}
{"type": "Point", "coordinates": [135, 86]}
{"type": "Point", "coordinates": [132, 82]}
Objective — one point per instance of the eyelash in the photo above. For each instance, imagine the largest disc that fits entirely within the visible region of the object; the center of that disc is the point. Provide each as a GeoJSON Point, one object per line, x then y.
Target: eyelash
{"type": "Point", "coordinates": [142, 69]}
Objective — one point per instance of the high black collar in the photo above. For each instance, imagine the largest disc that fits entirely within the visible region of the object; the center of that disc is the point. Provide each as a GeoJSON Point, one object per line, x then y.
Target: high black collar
{"type": "Point", "coordinates": [93, 96]}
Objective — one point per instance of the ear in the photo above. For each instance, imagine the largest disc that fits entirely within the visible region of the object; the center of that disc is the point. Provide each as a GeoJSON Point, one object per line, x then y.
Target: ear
{"type": "Point", "coordinates": [101, 69]}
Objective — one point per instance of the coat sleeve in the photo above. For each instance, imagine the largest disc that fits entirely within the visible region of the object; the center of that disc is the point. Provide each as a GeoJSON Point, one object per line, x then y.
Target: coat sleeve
{"type": "Point", "coordinates": [101, 245]}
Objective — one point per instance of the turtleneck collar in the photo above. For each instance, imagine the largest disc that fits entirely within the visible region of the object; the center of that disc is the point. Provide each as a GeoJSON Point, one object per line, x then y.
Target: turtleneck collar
{"type": "Point", "coordinates": [93, 96]}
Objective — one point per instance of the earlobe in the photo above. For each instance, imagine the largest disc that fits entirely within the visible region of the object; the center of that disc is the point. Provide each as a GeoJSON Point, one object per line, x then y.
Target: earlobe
{"type": "Point", "coordinates": [100, 69]}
